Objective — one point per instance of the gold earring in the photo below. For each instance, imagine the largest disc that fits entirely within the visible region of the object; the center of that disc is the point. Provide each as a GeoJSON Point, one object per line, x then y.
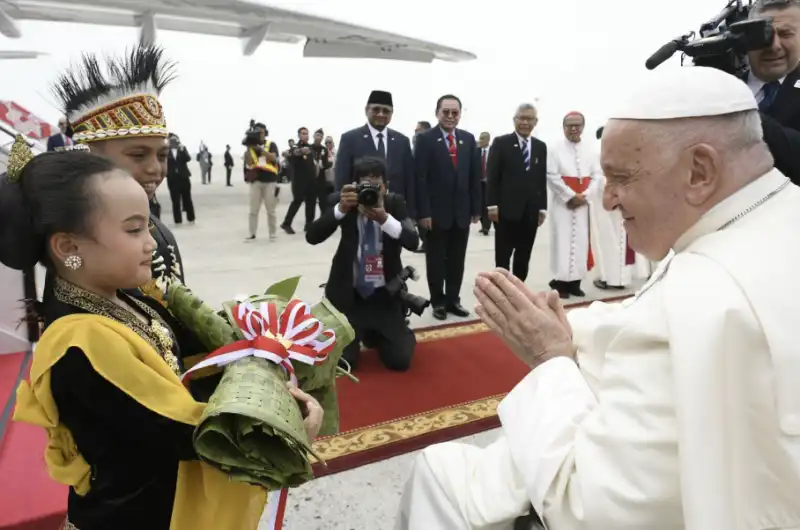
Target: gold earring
{"type": "Point", "coordinates": [73, 262]}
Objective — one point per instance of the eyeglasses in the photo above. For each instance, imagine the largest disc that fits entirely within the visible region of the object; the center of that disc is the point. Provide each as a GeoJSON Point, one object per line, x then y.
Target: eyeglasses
{"type": "Point", "coordinates": [451, 113]}
{"type": "Point", "coordinates": [525, 119]}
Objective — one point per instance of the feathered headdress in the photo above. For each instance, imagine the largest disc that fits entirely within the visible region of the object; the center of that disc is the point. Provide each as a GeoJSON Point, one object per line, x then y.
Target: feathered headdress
{"type": "Point", "coordinates": [118, 102]}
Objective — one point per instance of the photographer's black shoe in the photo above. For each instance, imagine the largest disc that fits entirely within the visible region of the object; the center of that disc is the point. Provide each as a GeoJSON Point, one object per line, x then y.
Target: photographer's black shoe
{"type": "Point", "coordinates": [457, 310]}
{"type": "Point", "coordinates": [440, 313]}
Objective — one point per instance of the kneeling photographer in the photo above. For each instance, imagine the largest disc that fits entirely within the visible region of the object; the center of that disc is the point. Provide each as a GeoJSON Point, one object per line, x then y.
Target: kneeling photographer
{"type": "Point", "coordinates": [367, 279]}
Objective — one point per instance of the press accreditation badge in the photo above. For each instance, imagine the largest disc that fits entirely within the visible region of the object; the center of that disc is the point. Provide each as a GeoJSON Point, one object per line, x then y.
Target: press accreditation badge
{"type": "Point", "coordinates": [373, 269]}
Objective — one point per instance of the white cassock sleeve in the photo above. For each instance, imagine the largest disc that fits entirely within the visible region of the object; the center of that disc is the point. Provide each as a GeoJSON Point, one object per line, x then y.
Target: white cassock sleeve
{"type": "Point", "coordinates": [554, 181]}
{"type": "Point", "coordinates": [597, 462]}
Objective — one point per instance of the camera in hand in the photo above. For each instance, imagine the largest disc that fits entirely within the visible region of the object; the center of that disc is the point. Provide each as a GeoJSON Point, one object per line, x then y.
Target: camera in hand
{"type": "Point", "coordinates": [398, 287]}
{"type": "Point", "coordinates": [369, 195]}
{"type": "Point", "coordinates": [724, 40]}
{"type": "Point", "coordinates": [252, 137]}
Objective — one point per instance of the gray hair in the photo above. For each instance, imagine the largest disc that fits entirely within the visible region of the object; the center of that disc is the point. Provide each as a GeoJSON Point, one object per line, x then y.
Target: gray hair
{"type": "Point", "coordinates": [523, 107]}
{"type": "Point", "coordinates": [761, 6]}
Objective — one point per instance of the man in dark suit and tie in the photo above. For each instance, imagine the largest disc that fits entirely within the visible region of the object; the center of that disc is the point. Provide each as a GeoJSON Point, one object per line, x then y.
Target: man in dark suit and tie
{"type": "Point", "coordinates": [517, 191]}
{"type": "Point", "coordinates": [774, 78]}
{"type": "Point", "coordinates": [368, 258]}
{"type": "Point", "coordinates": [377, 139]}
{"type": "Point", "coordinates": [62, 138]}
{"type": "Point", "coordinates": [448, 186]}
{"type": "Point", "coordinates": [178, 182]}
{"type": "Point", "coordinates": [483, 146]}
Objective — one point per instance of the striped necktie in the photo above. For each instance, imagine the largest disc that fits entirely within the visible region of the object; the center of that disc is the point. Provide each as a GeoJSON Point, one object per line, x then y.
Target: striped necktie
{"type": "Point", "coordinates": [526, 153]}
{"type": "Point", "coordinates": [368, 249]}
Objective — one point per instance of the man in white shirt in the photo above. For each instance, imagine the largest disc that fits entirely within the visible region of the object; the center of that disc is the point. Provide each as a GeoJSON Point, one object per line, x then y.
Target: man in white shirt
{"type": "Point", "coordinates": [680, 409]}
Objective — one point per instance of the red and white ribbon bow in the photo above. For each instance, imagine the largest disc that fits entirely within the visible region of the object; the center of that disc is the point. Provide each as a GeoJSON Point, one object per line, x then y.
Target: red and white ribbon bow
{"type": "Point", "coordinates": [293, 335]}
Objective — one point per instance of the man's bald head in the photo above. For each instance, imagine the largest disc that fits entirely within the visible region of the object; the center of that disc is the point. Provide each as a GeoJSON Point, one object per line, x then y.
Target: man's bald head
{"type": "Point", "coordinates": [663, 175]}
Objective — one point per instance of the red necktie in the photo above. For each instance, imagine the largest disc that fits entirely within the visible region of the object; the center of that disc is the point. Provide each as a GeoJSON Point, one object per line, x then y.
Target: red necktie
{"type": "Point", "coordinates": [483, 163]}
{"type": "Point", "coordinates": [451, 147]}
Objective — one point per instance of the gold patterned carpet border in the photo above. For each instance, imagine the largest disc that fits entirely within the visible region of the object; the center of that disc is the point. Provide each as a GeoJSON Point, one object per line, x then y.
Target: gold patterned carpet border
{"type": "Point", "coordinates": [374, 436]}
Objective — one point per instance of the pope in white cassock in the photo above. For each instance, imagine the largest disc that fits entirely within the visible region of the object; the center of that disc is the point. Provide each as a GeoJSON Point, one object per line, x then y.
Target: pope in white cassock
{"type": "Point", "coordinates": [678, 409]}
{"type": "Point", "coordinates": [574, 177]}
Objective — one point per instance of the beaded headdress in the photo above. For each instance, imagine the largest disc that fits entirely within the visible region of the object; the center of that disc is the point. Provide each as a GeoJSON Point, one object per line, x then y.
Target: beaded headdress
{"type": "Point", "coordinates": [120, 102]}
{"type": "Point", "coordinates": [21, 153]}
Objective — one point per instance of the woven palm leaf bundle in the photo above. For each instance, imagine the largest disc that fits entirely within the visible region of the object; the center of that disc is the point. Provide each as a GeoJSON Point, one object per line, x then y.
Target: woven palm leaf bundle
{"type": "Point", "coordinates": [252, 428]}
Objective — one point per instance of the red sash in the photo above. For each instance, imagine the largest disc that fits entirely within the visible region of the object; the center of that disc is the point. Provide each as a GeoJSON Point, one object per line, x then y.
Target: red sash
{"type": "Point", "coordinates": [580, 185]}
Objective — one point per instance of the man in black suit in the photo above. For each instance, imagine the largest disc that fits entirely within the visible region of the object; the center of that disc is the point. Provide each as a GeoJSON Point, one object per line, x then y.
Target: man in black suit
{"type": "Point", "coordinates": [228, 165]}
{"type": "Point", "coordinates": [367, 259]}
{"type": "Point", "coordinates": [61, 138]}
{"type": "Point", "coordinates": [483, 146]}
{"type": "Point", "coordinates": [377, 139]}
{"type": "Point", "coordinates": [448, 199]}
{"type": "Point", "coordinates": [516, 189]}
{"type": "Point", "coordinates": [304, 180]}
{"type": "Point", "coordinates": [774, 79]}
{"type": "Point", "coordinates": [178, 181]}
{"type": "Point", "coordinates": [323, 160]}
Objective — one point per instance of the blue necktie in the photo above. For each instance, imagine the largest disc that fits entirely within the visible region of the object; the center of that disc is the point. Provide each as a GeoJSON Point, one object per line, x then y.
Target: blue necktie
{"type": "Point", "coordinates": [368, 248]}
{"type": "Point", "coordinates": [526, 154]}
{"type": "Point", "coordinates": [770, 90]}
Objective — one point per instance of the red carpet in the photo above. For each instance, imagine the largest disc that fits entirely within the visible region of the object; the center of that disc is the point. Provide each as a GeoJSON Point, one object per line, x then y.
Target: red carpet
{"type": "Point", "coordinates": [459, 375]}
{"type": "Point", "coordinates": [29, 498]}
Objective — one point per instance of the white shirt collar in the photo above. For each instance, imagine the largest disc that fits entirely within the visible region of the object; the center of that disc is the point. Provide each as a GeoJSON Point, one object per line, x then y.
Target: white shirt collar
{"type": "Point", "coordinates": [522, 139]}
{"type": "Point", "coordinates": [731, 206]}
{"type": "Point", "coordinates": [757, 84]}
{"type": "Point", "coordinates": [374, 132]}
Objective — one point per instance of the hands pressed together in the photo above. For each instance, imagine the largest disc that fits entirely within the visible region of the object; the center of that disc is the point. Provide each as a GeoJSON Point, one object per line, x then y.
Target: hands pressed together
{"type": "Point", "coordinates": [533, 325]}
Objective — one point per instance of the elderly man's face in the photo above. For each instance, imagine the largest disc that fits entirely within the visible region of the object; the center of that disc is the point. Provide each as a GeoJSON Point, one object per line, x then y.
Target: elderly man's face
{"type": "Point", "coordinates": [775, 62]}
{"type": "Point", "coordinates": [647, 182]}
{"type": "Point", "coordinates": [573, 127]}
{"type": "Point", "coordinates": [62, 125]}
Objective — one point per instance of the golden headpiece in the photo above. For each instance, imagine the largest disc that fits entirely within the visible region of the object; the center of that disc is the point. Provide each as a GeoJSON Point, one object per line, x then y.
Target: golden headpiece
{"type": "Point", "coordinates": [122, 102]}
{"type": "Point", "coordinates": [18, 158]}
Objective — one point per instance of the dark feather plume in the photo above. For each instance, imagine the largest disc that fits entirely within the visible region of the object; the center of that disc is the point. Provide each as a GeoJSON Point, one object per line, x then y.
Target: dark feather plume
{"type": "Point", "coordinates": [86, 82]}
{"type": "Point", "coordinates": [81, 84]}
{"type": "Point", "coordinates": [143, 65]}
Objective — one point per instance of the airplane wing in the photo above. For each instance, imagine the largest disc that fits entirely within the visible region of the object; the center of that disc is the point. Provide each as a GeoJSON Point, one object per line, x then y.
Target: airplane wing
{"type": "Point", "coordinates": [19, 54]}
{"type": "Point", "coordinates": [247, 20]}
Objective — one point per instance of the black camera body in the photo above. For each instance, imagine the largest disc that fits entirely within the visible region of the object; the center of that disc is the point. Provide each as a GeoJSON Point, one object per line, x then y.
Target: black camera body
{"type": "Point", "coordinates": [369, 195]}
{"type": "Point", "coordinates": [252, 137]}
{"type": "Point", "coordinates": [724, 43]}
{"type": "Point", "coordinates": [398, 287]}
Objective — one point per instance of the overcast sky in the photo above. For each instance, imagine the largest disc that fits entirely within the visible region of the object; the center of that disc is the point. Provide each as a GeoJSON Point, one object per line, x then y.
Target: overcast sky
{"type": "Point", "coordinates": [563, 55]}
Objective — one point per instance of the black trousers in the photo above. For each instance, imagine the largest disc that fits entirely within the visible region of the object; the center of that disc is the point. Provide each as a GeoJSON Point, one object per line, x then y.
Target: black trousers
{"type": "Point", "coordinates": [380, 322]}
{"type": "Point", "coordinates": [302, 192]}
{"type": "Point", "coordinates": [486, 224]}
{"type": "Point", "coordinates": [445, 252]}
{"type": "Point", "coordinates": [324, 189]}
{"type": "Point", "coordinates": [516, 238]}
{"type": "Point", "coordinates": [228, 171]}
{"type": "Point", "coordinates": [181, 196]}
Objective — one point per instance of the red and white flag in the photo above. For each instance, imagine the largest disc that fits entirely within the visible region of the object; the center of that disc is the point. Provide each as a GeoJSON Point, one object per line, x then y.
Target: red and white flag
{"type": "Point", "coordinates": [24, 122]}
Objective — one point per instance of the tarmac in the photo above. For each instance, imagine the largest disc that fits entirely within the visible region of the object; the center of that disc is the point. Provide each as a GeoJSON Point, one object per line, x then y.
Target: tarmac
{"type": "Point", "coordinates": [220, 265]}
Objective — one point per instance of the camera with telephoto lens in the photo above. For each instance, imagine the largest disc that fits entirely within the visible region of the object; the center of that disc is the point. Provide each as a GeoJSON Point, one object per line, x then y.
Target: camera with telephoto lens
{"type": "Point", "coordinates": [724, 41]}
{"type": "Point", "coordinates": [399, 288]}
{"type": "Point", "coordinates": [368, 194]}
{"type": "Point", "coordinates": [252, 137]}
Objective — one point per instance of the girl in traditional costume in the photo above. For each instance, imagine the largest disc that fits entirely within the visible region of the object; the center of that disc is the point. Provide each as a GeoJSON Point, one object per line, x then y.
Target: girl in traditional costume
{"type": "Point", "coordinates": [105, 378]}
